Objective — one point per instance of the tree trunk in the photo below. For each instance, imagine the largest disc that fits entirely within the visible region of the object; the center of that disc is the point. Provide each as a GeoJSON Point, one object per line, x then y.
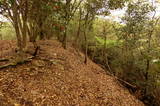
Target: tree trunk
{"type": "Point", "coordinates": [24, 36]}
{"type": "Point", "coordinates": [64, 43]}
{"type": "Point", "coordinates": [86, 47]}
{"type": "Point", "coordinates": [19, 37]}
{"type": "Point", "coordinates": [24, 30]}
{"type": "Point", "coordinates": [79, 27]}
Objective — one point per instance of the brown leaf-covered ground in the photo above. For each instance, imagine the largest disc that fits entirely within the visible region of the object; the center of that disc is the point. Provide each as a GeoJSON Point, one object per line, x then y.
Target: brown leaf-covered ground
{"type": "Point", "coordinates": [58, 77]}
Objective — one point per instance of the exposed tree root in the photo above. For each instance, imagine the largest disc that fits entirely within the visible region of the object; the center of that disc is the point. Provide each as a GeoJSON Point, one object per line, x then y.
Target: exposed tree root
{"type": "Point", "coordinates": [51, 60]}
{"type": "Point", "coordinates": [14, 64]}
{"type": "Point", "coordinates": [7, 65]}
{"type": "Point", "coordinates": [3, 60]}
{"type": "Point", "coordinates": [36, 50]}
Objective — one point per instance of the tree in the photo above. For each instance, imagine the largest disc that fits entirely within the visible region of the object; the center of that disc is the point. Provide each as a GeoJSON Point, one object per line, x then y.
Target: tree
{"type": "Point", "coordinates": [68, 10]}
{"type": "Point", "coordinates": [137, 34]}
{"type": "Point", "coordinates": [42, 17]}
{"type": "Point", "coordinates": [93, 8]}
{"type": "Point", "coordinates": [17, 12]}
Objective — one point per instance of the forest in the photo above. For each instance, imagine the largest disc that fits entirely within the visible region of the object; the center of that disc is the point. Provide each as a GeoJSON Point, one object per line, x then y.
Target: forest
{"type": "Point", "coordinates": [126, 49]}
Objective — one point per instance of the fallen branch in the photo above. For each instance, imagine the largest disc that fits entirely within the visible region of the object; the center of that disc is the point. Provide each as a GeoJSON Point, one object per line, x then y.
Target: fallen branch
{"type": "Point", "coordinates": [121, 80]}
{"type": "Point", "coordinates": [125, 82]}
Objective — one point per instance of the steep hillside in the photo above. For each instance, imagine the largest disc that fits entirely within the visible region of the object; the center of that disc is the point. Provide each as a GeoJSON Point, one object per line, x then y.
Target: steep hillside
{"type": "Point", "coordinates": [58, 77]}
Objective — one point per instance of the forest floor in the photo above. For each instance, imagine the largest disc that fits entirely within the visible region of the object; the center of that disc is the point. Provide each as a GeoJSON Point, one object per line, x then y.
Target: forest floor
{"type": "Point", "coordinates": [58, 77]}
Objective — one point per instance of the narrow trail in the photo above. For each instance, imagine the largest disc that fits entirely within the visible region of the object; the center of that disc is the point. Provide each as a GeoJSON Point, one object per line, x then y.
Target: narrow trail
{"type": "Point", "coordinates": [58, 77]}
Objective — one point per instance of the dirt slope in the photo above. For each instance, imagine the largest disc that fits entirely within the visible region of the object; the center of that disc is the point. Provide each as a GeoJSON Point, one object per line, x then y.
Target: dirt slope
{"type": "Point", "coordinates": [60, 78]}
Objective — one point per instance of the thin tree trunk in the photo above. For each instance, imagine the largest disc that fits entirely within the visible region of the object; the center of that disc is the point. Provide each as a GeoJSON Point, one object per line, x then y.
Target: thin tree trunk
{"type": "Point", "coordinates": [24, 32]}
{"type": "Point", "coordinates": [19, 38]}
{"type": "Point", "coordinates": [79, 27]}
{"type": "Point", "coordinates": [86, 47]}
{"type": "Point", "coordinates": [65, 38]}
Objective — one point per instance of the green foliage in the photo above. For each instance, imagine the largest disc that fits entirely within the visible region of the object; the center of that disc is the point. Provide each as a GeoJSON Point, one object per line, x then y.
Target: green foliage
{"type": "Point", "coordinates": [11, 1]}
{"type": "Point", "coordinates": [109, 43]}
{"type": "Point", "coordinates": [7, 32]}
{"type": "Point", "coordinates": [114, 4]}
{"type": "Point", "coordinates": [136, 19]}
